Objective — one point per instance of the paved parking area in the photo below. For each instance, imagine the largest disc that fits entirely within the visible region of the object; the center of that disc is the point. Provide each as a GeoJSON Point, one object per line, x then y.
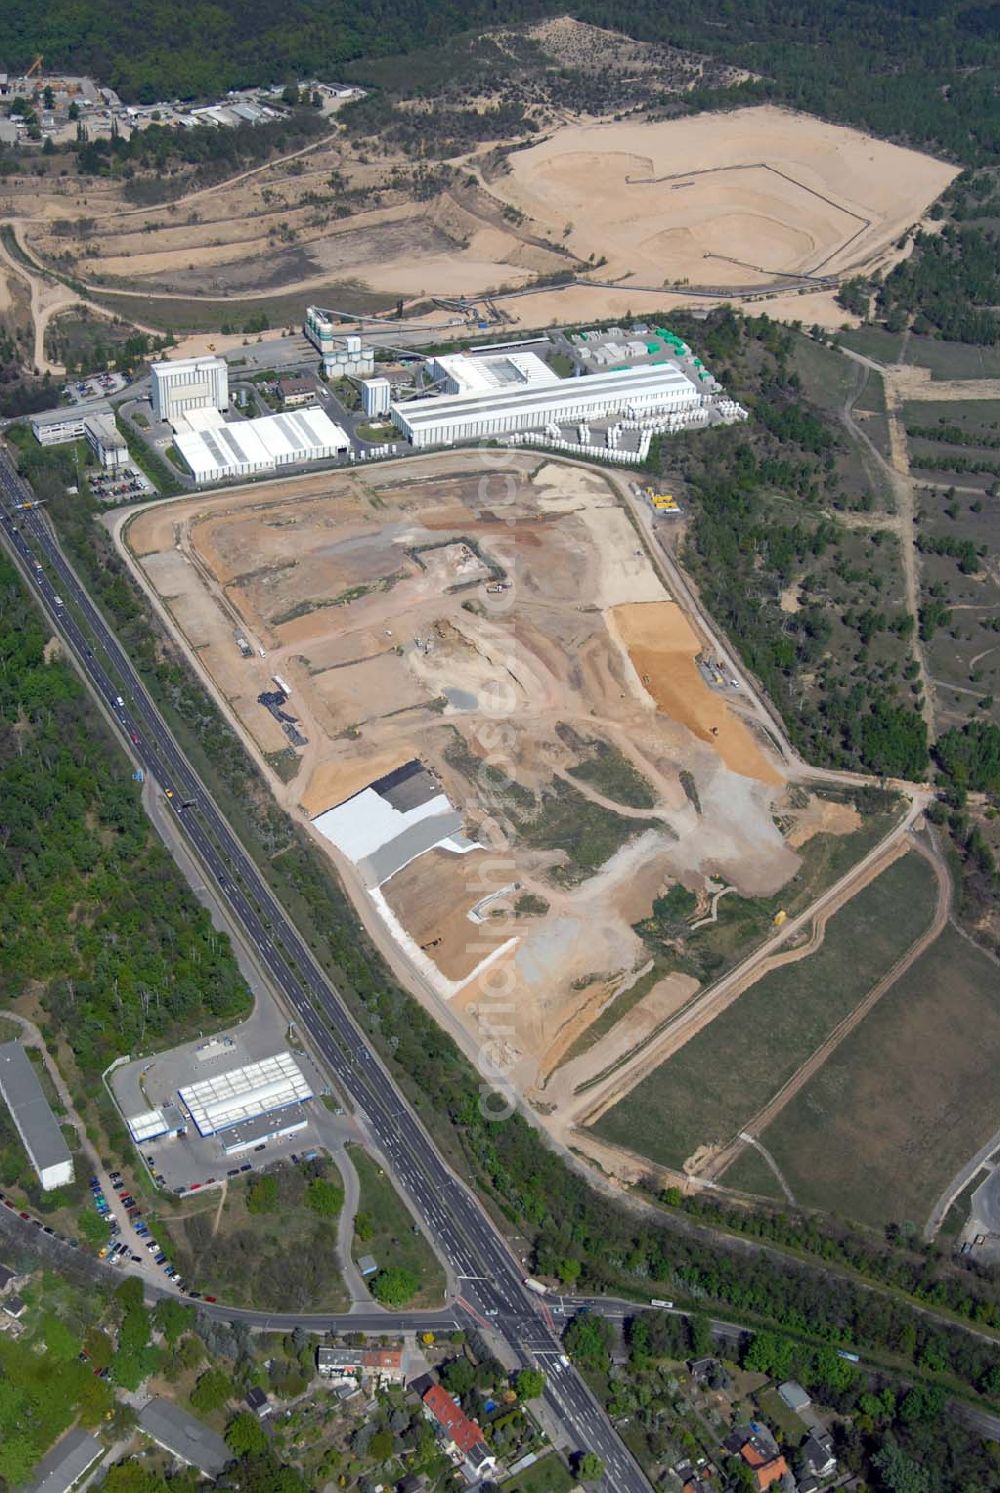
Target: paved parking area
{"type": "Point", "coordinates": [189, 1162]}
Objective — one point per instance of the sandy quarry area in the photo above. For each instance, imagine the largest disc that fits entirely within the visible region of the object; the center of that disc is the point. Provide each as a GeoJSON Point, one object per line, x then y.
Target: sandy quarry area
{"type": "Point", "coordinates": [742, 202]}
{"type": "Point", "coordinates": [720, 198]}
{"type": "Point", "coordinates": [369, 595]}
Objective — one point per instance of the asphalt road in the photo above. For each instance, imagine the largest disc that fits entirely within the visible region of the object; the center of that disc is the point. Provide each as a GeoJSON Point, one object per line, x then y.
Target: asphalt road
{"type": "Point", "coordinates": [490, 1278]}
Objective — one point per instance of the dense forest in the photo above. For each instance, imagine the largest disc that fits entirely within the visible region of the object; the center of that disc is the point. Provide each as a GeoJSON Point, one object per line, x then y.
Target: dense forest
{"type": "Point", "coordinates": [93, 912]}
{"type": "Point", "coordinates": [920, 70]}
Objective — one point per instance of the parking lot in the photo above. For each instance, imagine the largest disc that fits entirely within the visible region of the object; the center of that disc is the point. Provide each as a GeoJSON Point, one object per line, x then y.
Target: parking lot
{"type": "Point", "coordinates": [188, 1162]}
{"type": "Point", "coordinates": [120, 485]}
{"type": "Point", "coordinates": [97, 386]}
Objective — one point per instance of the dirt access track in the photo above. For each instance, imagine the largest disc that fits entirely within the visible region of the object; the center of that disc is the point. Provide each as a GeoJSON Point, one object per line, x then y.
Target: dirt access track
{"type": "Point", "coordinates": [368, 594]}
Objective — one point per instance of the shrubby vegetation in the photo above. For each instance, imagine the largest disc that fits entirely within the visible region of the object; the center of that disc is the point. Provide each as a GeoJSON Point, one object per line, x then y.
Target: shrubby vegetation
{"type": "Point", "coordinates": [838, 666]}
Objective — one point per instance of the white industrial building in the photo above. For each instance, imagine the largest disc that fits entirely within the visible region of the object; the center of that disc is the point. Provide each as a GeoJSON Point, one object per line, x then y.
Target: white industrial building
{"type": "Point", "coordinates": [106, 441]}
{"type": "Point", "coordinates": [55, 432]}
{"type": "Point", "coordinates": [468, 373]}
{"type": "Point", "coordinates": [213, 450]}
{"type": "Point", "coordinates": [33, 1118]}
{"type": "Point", "coordinates": [509, 394]}
{"type": "Point", "coordinates": [244, 1095]}
{"type": "Point", "coordinates": [342, 356]}
{"type": "Point", "coordinates": [189, 384]}
{"type": "Point", "coordinates": [376, 396]}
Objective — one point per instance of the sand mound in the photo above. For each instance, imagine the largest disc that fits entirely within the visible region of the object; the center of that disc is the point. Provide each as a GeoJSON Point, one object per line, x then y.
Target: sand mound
{"type": "Point", "coordinates": [663, 648]}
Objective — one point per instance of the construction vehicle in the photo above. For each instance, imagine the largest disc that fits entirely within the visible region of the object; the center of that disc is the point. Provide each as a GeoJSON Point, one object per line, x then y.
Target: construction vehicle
{"type": "Point", "coordinates": [662, 502]}
{"type": "Point", "coordinates": [35, 67]}
{"type": "Point", "coordinates": [780, 917]}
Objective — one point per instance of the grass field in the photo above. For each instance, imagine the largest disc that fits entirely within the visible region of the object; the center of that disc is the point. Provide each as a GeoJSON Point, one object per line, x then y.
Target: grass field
{"type": "Point", "coordinates": [910, 1095]}
{"type": "Point", "coordinates": [548, 1475]}
{"type": "Point", "coordinates": [957, 1215]}
{"type": "Point", "coordinates": [712, 1086]}
{"type": "Point", "coordinates": [751, 1173]}
{"type": "Point", "coordinates": [281, 1259]}
{"type": "Point", "coordinates": [945, 360]}
{"type": "Point", "coordinates": [390, 1233]}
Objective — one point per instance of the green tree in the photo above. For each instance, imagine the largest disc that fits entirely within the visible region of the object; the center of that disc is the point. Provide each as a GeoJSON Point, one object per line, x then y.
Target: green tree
{"type": "Point", "coordinates": [589, 1467]}
{"type": "Point", "coordinates": [530, 1383]}
{"type": "Point", "coordinates": [587, 1340]}
{"type": "Point", "coordinates": [395, 1286]}
{"type": "Point", "coordinates": [213, 1389]}
{"type": "Point", "coordinates": [173, 1318]}
{"type": "Point", "coordinates": [381, 1446]}
{"type": "Point", "coordinates": [458, 1376]}
{"type": "Point", "coordinates": [262, 1195]}
{"type": "Point", "coordinates": [245, 1434]}
{"type": "Point", "coordinates": [324, 1197]}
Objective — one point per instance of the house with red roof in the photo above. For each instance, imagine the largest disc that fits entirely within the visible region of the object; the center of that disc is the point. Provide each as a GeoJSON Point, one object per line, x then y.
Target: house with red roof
{"type": "Point", "coordinates": [463, 1438]}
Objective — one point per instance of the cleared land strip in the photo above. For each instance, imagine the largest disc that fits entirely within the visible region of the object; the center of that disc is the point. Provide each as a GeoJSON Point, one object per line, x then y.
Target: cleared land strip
{"type": "Point", "coordinates": [610, 1090]}
{"type": "Point", "coordinates": [694, 1105]}
{"type": "Point", "coordinates": [755, 1127]}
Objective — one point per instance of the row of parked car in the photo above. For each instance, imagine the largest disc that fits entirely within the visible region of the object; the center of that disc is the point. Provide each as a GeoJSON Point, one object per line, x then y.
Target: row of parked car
{"type": "Point", "coordinates": [116, 1250]}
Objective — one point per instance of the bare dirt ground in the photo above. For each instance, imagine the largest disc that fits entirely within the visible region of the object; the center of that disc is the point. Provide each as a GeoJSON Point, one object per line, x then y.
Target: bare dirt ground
{"type": "Point", "coordinates": [367, 594]}
{"type": "Point", "coordinates": [708, 199]}
{"type": "Point", "coordinates": [741, 202]}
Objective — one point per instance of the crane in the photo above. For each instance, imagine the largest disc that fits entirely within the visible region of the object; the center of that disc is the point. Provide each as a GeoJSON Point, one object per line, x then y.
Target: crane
{"type": "Point", "coordinates": [35, 67]}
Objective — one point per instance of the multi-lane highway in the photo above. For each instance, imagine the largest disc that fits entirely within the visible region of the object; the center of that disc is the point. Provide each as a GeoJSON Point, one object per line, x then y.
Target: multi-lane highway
{"type": "Point", "coordinates": [489, 1276]}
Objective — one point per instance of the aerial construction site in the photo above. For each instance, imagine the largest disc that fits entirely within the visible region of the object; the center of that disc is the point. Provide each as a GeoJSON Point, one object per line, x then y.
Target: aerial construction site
{"type": "Point", "coordinates": [476, 691]}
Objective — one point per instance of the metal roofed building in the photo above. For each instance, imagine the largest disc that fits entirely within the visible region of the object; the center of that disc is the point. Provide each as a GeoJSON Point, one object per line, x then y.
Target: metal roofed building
{"type": "Point", "coordinates": [213, 450]}
{"type": "Point", "coordinates": [66, 1463]}
{"type": "Point", "coordinates": [189, 384]}
{"type": "Point", "coordinates": [469, 373]}
{"type": "Point", "coordinates": [184, 1437]}
{"type": "Point", "coordinates": [35, 1122]}
{"type": "Point", "coordinates": [243, 1094]}
{"type": "Point", "coordinates": [633, 392]}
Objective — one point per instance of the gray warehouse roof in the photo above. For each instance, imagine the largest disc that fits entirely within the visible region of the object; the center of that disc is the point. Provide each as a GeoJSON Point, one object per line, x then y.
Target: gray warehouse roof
{"type": "Point", "coordinates": [187, 1438]}
{"type": "Point", "coordinates": [29, 1108]}
{"type": "Point", "coordinates": [66, 1462]}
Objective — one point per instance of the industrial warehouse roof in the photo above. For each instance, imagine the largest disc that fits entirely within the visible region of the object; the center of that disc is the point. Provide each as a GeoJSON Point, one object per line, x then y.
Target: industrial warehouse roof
{"type": "Point", "coordinates": [242, 1094]}
{"type": "Point", "coordinates": [211, 448]}
{"type": "Point", "coordinates": [546, 400]}
{"type": "Point", "coordinates": [187, 1438]}
{"type": "Point", "coordinates": [66, 1462]}
{"type": "Point", "coordinates": [29, 1108]}
{"type": "Point", "coordinates": [488, 373]}
{"type": "Point", "coordinates": [392, 821]}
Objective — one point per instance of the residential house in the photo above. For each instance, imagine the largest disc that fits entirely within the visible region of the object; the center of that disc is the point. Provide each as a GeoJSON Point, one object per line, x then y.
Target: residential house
{"type": "Point", "coordinates": [817, 1456]}
{"type": "Point", "coordinates": [339, 1364]}
{"type": "Point", "coordinates": [257, 1401]}
{"type": "Point", "coordinates": [794, 1396]}
{"type": "Point", "coordinates": [63, 1467]}
{"type": "Point", "coordinates": [384, 1365]}
{"type": "Point", "coordinates": [463, 1438]}
{"type": "Point", "coordinates": [766, 1467]}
